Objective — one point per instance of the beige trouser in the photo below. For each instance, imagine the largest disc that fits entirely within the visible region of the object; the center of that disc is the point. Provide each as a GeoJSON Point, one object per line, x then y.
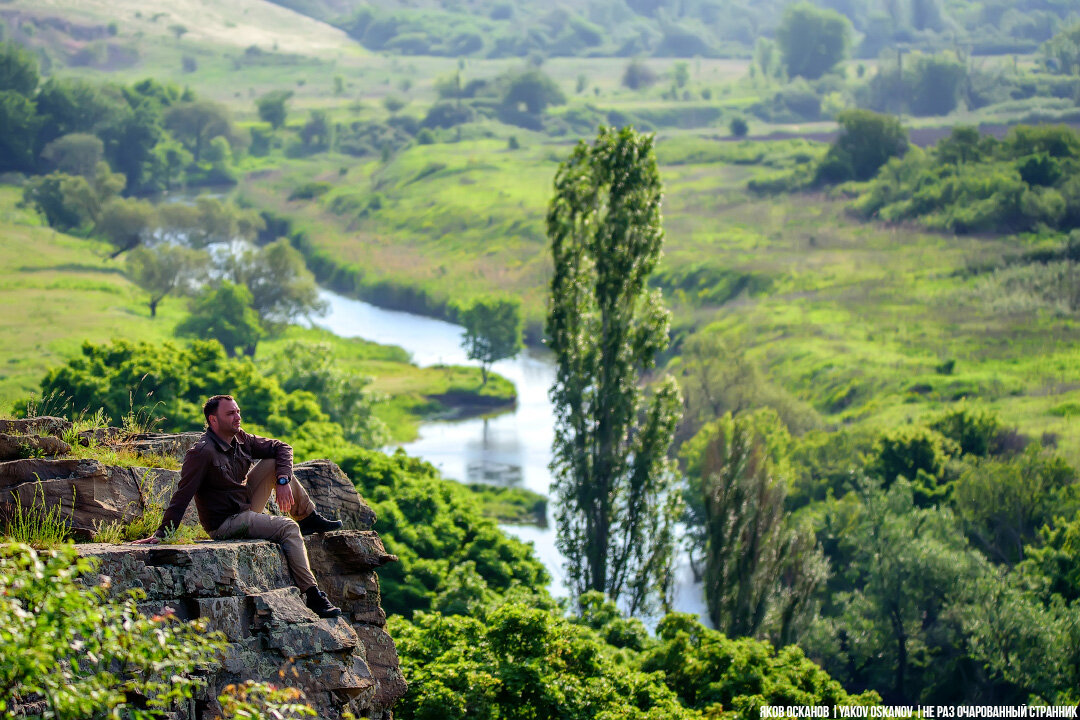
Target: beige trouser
{"type": "Point", "coordinates": [255, 523]}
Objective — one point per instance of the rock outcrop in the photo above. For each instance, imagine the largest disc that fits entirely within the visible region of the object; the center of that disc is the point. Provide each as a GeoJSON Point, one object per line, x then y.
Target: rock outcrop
{"type": "Point", "coordinates": [242, 587]}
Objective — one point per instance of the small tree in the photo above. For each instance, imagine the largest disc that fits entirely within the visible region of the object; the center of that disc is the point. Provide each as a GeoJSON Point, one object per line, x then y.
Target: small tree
{"type": "Point", "coordinates": [18, 69]}
{"type": "Point", "coordinates": [282, 288]}
{"type": "Point", "coordinates": [681, 74]}
{"type": "Point", "coordinates": [812, 40]}
{"type": "Point", "coordinates": [738, 127]}
{"type": "Point", "coordinates": [75, 154]}
{"type": "Point", "coordinates": [615, 487]}
{"type": "Point", "coordinates": [866, 142]}
{"type": "Point", "coordinates": [225, 314]}
{"type": "Point", "coordinates": [756, 564]}
{"type": "Point", "coordinates": [533, 89]}
{"type": "Point", "coordinates": [318, 132]}
{"type": "Point", "coordinates": [164, 269]}
{"type": "Point", "coordinates": [197, 123]}
{"type": "Point", "coordinates": [638, 75]}
{"type": "Point", "coordinates": [125, 222]}
{"type": "Point", "coordinates": [271, 107]}
{"type": "Point", "coordinates": [492, 330]}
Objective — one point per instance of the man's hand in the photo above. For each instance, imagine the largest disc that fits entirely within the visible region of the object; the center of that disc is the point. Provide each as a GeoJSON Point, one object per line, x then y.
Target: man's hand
{"type": "Point", "coordinates": [152, 540]}
{"type": "Point", "coordinates": [284, 498]}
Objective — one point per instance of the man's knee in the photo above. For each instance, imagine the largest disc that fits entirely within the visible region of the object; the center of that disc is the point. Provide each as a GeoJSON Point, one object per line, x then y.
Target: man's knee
{"type": "Point", "coordinates": [273, 527]}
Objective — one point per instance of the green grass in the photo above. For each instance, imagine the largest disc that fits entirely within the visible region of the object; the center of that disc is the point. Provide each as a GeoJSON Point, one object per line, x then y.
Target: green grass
{"type": "Point", "coordinates": [59, 291]}
{"type": "Point", "coordinates": [852, 318]}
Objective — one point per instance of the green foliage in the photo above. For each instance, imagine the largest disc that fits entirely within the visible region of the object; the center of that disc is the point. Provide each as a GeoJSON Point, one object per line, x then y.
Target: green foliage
{"type": "Point", "coordinates": [271, 107]}
{"type": "Point", "coordinates": [18, 128]}
{"type": "Point", "coordinates": [511, 505]}
{"type": "Point", "coordinates": [812, 40]}
{"type": "Point", "coordinates": [533, 90]}
{"type": "Point", "coordinates": [612, 477]}
{"type": "Point", "coordinates": [974, 431]}
{"type": "Point", "coordinates": [1004, 503]}
{"type": "Point", "coordinates": [713, 673]}
{"type": "Point", "coordinates": [492, 330]}
{"type": "Point", "coordinates": [317, 134]}
{"type": "Point", "coordinates": [172, 382]}
{"type": "Point", "coordinates": [68, 202]}
{"type": "Point", "coordinates": [865, 143]}
{"type": "Point", "coordinates": [253, 700]}
{"type": "Point", "coordinates": [923, 85]}
{"type": "Point", "coordinates": [517, 661]}
{"type": "Point", "coordinates": [936, 83]}
{"type": "Point", "coordinates": [1062, 52]}
{"type": "Point", "coordinates": [976, 184]}
{"type": "Point", "coordinates": [197, 122]}
{"type": "Point", "coordinates": [1055, 558]}
{"type": "Point", "coordinates": [310, 190]}
{"type": "Point", "coordinates": [1029, 645]}
{"type": "Point", "coordinates": [282, 288]}
{"type": "Point", "coordinates": [905, 567]}
{"type": "Point", "coordinates": [125, 223]}
{"type": "Point", "coordinates": [84, 652]}
{"type": "Point", "coordinates": [436, 528]}
{"type": "Point", "coordinates": [638, 75]}
{"type": "Point", "coordinates": [345, 397]}
{"type": "Point", "coordinates": [917, 453]}
{"type": "Point", "coordinates": [165, 269]}
{"type": "Point", "coordinates": [738, 127]}
{"type": "Point", "coordinates": [761, 571]}
{"type": "Point", "coordinates": [224, 313]}
{"type": "Point", "coordinates": [18, 69]}
{"type": "Point", "coordinates": [75, 154]}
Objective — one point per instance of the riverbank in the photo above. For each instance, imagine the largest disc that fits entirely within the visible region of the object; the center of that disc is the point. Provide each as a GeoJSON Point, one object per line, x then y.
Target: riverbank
{"type": "Point", "coordinates": [67, 292]}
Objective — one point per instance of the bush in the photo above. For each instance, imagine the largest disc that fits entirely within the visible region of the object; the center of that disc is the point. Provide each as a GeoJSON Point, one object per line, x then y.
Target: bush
{"type": "Point", "coordinates": [446, 115]}
{"type": "Point", "coordinates": [638, 76]}
{"type": "Point", "coordinates": [83, 652]}
{"type": "Point", "coordinates": [310, 191]}
{"type": "Point", "coordinates": [866, 141]}
{"type": "Point", "coordinates": [739, 127]}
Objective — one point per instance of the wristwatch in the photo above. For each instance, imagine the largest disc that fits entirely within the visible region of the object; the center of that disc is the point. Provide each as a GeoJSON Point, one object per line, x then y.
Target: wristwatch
{"type": "Point", "coordinates": [283, 480]}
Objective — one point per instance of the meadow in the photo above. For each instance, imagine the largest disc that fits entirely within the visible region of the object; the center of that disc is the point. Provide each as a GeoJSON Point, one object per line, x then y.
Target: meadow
{"type": "Point", "coordinates": [61, 291]}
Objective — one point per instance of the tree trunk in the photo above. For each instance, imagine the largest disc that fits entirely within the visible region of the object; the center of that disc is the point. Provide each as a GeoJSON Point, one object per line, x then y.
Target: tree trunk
{"type": "Point", "coordinates": [133, 242]}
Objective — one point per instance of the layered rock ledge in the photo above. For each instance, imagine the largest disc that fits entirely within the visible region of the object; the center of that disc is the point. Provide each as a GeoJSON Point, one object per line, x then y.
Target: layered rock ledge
{"type": "Point", "coordinates": [242, 587]}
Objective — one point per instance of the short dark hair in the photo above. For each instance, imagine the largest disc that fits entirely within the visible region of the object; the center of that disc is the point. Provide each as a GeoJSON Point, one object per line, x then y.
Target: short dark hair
{"type": "Point", "coordinates": [210, 406]}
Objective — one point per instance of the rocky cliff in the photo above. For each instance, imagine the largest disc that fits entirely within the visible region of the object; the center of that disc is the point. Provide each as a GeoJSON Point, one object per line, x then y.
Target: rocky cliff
{"type": "Point", "coordinates": [242, 588]}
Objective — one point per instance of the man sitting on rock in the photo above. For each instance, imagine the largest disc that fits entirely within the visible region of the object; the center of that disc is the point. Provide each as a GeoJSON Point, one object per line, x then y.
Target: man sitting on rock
{"type": "Point", "coordinates": [231, 494]}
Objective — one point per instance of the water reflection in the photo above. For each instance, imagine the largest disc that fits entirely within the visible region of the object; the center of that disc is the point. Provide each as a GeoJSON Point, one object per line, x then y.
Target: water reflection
{"type": "Point", "coordinates": [512, 448]}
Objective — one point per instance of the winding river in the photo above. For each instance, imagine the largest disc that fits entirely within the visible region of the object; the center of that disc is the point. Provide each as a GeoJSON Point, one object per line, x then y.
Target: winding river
{"type": "Point", "coordinates": [513, 448]}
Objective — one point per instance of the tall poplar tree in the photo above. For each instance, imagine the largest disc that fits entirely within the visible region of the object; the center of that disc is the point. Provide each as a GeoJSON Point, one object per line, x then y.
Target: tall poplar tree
{"type": "Point", "coordinates": [613, 480]}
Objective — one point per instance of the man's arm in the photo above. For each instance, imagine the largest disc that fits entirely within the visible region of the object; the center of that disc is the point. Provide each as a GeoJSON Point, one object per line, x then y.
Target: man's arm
{"type": "Point", "coordinates": [261, 448]}
{"type": "Point", "coordinates": [191, 476]}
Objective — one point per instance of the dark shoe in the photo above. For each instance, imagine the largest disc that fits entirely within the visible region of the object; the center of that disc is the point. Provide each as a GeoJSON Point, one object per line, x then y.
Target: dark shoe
{"type": "Point", "coordinates": [320, 604]}
{"type": "Point", "coordinates": [316, 523]}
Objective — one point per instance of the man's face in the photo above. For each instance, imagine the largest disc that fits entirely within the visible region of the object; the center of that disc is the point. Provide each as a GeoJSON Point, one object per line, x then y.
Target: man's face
{"type": "Point", "coordinates": [226, 421]}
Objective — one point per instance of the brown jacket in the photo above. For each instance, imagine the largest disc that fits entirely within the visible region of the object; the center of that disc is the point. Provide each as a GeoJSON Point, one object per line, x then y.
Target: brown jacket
{"type": "Point", "coordinates": [214, 474]}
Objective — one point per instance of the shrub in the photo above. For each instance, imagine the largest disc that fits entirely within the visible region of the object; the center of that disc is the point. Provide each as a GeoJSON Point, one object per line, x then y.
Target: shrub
{"type": "Point", "coordinates": [310, 191]}
{"type": "Point", "coordinates": [638, 76]}
{"type": "Point", "coordinates": [85, 653]}
{"type": "Point", "coordinates": [739, 127]}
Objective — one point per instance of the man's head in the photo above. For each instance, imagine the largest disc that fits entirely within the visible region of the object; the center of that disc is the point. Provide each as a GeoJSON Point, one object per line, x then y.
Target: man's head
{"type": "Point", "coordinates": [222, 416]}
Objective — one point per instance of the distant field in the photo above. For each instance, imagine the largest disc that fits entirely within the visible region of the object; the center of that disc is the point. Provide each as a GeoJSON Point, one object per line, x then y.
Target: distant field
{"type": "Point", "coordinates": [236, 23]}
{"type": "Point", "coordinates": [857, 319]}
{"type": "Point", "coordinates": [58, 291]}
